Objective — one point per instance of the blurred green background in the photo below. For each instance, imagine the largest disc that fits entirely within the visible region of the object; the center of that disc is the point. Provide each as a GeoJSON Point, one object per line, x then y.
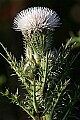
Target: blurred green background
{"type": "Point", "coordinates": [69, 13]}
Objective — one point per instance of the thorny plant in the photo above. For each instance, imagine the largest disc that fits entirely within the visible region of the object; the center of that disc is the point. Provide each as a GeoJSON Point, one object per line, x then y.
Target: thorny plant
{"type": "Point", "coordinates": [43, 72]}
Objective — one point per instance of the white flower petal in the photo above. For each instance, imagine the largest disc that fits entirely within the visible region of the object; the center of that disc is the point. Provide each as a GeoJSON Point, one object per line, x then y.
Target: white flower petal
{"type": "Point", "coordinates": [36, 19]}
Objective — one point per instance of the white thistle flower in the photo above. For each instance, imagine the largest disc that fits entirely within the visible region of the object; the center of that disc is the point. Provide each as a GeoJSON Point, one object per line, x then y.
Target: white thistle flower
{"type": "Point", "coordinates": [36, 19]}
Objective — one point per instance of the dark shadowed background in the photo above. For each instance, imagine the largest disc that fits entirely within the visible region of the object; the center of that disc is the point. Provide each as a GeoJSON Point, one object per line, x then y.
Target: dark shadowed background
{"type": "Point", "coordinates": [69, 13]}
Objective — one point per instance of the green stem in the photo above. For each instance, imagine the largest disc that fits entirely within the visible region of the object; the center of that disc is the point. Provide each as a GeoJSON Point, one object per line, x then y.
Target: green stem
{"type": "Point", "coordinates": [64, 118]}
{"type": "Point", "coordinates": [34, 96]}
{"type": "Point", "coordinates": [27, 111]}
{"type": "Point", "coordinates": [45, 64]}
{"type": "Point", "coordinates": [56, 101]}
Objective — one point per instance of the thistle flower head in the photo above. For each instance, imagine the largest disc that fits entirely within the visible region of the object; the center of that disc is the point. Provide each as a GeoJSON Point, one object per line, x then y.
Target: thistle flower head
{"type": "Point", "coordinates": [36, 19]}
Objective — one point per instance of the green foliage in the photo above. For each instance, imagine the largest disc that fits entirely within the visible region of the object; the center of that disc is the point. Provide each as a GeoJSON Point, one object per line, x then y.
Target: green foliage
{"type": "Point", "coordinates": [44, 75]}
{"type": "Point", "coordinates": [3, 80]}
{"type": "Point", "coordinates": [75, 39]}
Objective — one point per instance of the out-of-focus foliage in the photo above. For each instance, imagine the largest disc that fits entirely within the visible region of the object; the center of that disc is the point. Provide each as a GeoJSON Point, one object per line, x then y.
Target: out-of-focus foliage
{"type": "Point", "coordinates": [75, 39]}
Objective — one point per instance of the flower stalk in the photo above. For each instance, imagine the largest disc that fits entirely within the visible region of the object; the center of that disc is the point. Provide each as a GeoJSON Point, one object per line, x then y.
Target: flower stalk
{"type": "Point", "coordinates": [44, 69]}
{"type": "Point", "coordinates": [34, 97]}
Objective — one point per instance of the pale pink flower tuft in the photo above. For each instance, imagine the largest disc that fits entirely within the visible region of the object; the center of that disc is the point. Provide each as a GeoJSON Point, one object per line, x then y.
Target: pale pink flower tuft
{"type": "Point", "coordinates": [36, 19]}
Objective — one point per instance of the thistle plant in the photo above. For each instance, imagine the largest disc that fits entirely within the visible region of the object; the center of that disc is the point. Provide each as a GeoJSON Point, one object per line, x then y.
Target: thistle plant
{"type": "Point", "coordinates": [43, 72]}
